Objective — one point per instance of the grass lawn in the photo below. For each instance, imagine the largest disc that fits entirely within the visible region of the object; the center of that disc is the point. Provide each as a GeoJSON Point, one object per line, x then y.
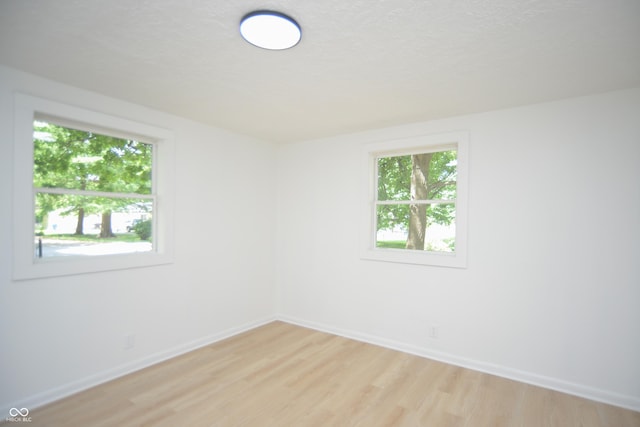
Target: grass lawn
{"type": "Point", "coordinates": [123, 237]}
{"type": "Point", "coordinates": [395, 244]}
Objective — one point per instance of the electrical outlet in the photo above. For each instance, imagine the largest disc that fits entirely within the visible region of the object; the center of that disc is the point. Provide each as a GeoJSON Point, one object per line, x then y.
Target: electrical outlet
{"type": "Point", "coordinates": [129, 341]}
{"type": "Point", "coordinates": [433, 331]}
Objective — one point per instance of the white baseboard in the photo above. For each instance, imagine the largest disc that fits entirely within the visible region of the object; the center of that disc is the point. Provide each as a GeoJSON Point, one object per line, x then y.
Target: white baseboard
{"type": "Point", "coordinates": [74, 387]}
{"type": "Point", "coordinates": [48, 396]}
{"type": "Point", "coordinates": [627, 402]}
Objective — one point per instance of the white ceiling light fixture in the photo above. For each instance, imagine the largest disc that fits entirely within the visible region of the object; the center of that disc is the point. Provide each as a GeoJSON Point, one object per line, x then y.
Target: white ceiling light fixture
{"type": "Point", "coordinates": [270, 30]}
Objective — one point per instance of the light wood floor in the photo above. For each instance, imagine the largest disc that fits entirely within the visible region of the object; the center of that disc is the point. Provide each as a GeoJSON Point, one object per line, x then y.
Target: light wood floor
{"type": "Point", "coordinates": [285, 375]}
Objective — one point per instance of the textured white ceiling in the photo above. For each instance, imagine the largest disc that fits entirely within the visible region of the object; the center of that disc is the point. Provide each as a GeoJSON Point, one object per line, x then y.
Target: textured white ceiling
{"type": "Point", "coordinates": [361, 64]}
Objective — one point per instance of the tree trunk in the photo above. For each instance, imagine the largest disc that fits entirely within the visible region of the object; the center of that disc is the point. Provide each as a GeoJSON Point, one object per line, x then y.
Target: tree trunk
{"type": "Point", "coordinates": [419, 191]}
{"type": "Point", "coordinates": [105, 227]}
{"type": "Point", "coordinates": [80, 223]}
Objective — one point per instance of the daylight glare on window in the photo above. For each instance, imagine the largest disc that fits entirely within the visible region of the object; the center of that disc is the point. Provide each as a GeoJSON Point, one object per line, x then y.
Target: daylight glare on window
{"type": "Point", "coordinates": [93, 193]}
{"type": "Point", "coordinates": [416, 201]}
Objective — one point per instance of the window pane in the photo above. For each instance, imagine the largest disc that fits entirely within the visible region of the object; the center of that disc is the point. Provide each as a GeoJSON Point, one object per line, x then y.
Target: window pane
{"type": "Point", "coordinates": [394, 178]}
{"type": "Point", "coordinates": [71, 225]}
{"type": "Point", "coordinates": [422, 176]}
{"type": "Point", "coordinates": [82, 160]}
{"type": "Point", "coordinates": [397, 225]}
{"type": "Point", "coordinates": [443, 175]}
{"type": "Point", "coordinates": [393, 220]}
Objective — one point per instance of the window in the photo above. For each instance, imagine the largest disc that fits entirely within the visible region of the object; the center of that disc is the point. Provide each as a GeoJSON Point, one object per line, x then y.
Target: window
{"type": "Point", "coordinates": [93, 192]}
{"type": "Point", "coordinates": [96, 190]}
{"type": "Point", "coordinates": [416, 206]}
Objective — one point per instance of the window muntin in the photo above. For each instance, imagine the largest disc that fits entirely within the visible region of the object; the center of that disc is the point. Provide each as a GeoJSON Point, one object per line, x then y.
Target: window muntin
{"type": "Point", "coordinates": [93, 192]}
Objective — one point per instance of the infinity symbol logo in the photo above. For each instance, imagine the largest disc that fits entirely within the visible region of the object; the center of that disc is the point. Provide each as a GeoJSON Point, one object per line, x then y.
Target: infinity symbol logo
{"type": "Point", "coordinates": [14, 412]}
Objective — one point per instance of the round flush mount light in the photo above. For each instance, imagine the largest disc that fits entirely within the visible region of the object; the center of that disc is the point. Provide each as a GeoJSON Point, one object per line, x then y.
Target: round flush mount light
{"type": "Point", "coordinates": [270, 30]}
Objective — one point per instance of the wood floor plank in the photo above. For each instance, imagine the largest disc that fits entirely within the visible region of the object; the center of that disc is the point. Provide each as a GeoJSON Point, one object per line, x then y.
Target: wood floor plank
{"type": "Point", "coordinates": [286, 375]}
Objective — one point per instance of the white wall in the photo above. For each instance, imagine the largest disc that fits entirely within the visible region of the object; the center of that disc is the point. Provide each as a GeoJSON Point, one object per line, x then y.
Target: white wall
{"type": "Point", "coordinates": [551, 294]}
{"type": "Point", "coordinates": [62, 334]}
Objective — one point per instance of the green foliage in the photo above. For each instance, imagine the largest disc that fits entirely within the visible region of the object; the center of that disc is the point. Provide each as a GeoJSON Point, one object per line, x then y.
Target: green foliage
{"type": "Point", "coordinates": [394, 178]}
{"type": "Point", "coordinates": [391, 217]}
{"type": "Point", "coordinates": [81, 160]}
{"type": "Point", "coordinates": [143, 229]}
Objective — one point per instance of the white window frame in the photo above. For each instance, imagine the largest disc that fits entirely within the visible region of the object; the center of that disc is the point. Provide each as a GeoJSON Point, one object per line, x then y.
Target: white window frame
{"type": "Point", "coordinates": [25, 264]}
{"type": "Point", "coordinates": [414, 145]}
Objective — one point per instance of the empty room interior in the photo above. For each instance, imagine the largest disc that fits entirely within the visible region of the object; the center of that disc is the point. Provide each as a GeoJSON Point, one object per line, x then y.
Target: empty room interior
{"type": "Point", "coordinates": [411, 212]}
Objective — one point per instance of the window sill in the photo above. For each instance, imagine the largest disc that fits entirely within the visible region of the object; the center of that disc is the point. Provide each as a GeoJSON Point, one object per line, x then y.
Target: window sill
{"type": "Point", "coordinates": [65, 266]}
{"type": "Point", "coordinates": [404, 256]}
